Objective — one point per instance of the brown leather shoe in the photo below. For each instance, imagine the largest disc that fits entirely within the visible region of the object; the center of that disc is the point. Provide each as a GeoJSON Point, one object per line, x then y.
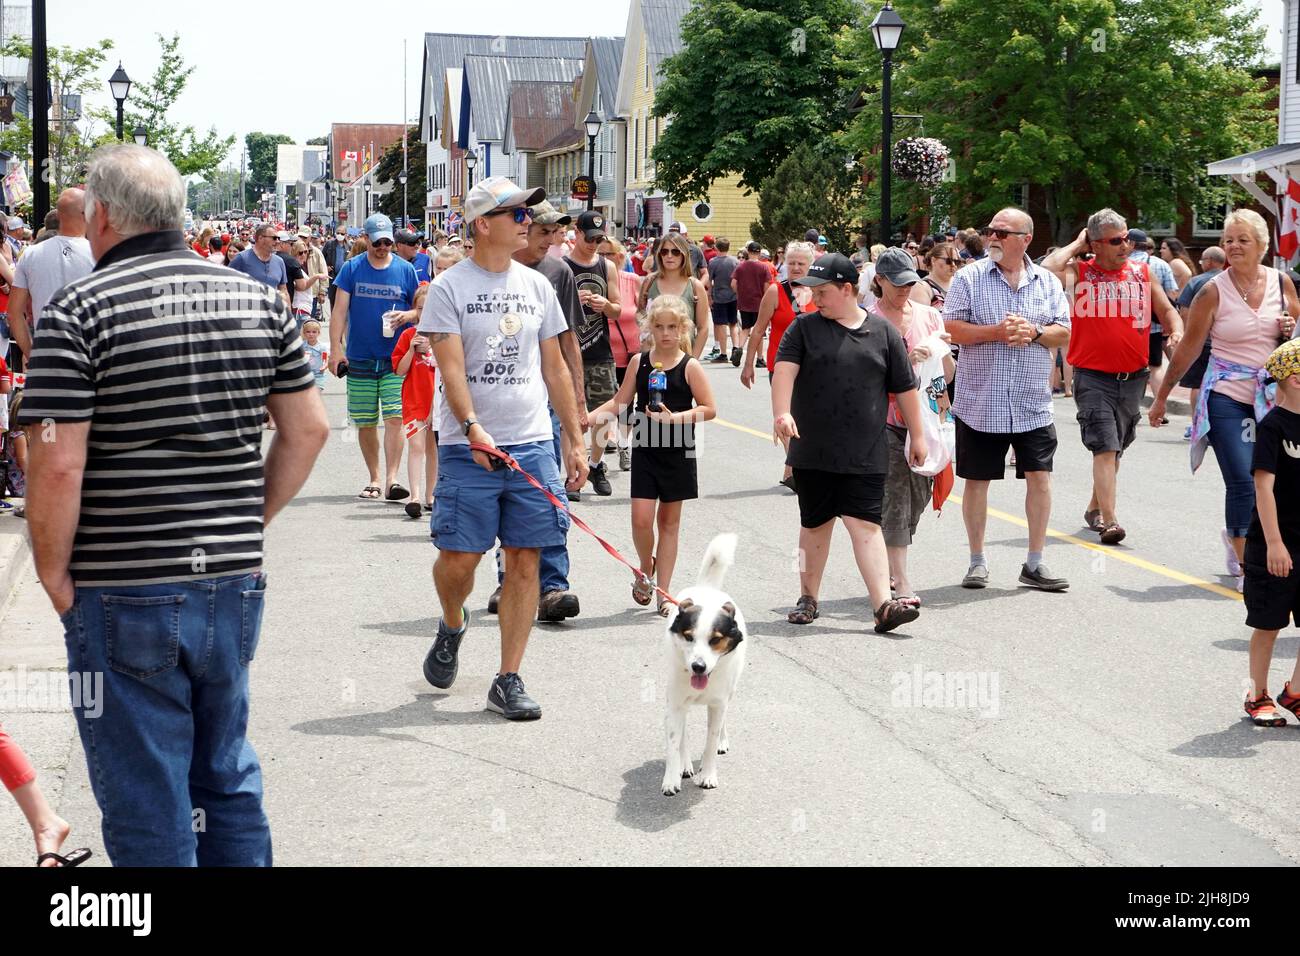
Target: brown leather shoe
{"type": "Point", "coordinates": [1112, 533]}
{"type": "Point", "coordinates": [557, 605]}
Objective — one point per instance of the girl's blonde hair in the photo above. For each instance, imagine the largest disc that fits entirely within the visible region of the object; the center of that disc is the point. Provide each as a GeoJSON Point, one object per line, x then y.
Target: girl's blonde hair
{"type": "Point", "coordinates": [306, 326]}
{"type": "Point", "coordinates": [449, 255]}
{"type": "Point", "coordinates": [675, 306]}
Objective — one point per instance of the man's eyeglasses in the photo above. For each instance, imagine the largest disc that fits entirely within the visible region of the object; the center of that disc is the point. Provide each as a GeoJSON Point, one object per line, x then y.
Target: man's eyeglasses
{"type": "Point", "coordinates": [988, 231]}
{"type": "Point", "coordinates": [1113, 240]}
{"type": "Point", "coordinates": [522, 214]}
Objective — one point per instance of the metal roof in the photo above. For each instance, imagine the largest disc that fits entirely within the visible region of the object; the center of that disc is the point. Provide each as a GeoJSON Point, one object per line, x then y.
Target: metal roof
{"type": "Point", "coordinates": [487, 81]}
{"type": "Point", "coordinates": [608, 52]}
{"type": "Point", "coordinates": [1272, 157]}
{"type": "Point", "coordinates": [445, 50]}
{"type": "Point", "coordinates": [539, 111]}
{"type": "Point", "coordinates": [661, 21]}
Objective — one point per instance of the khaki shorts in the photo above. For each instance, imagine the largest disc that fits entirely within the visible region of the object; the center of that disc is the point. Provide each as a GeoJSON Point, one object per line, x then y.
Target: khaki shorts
{"type": "Point", "coordinates": [600, 382]}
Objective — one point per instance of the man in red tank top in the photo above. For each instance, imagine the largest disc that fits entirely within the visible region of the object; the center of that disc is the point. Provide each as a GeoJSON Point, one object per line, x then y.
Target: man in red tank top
{"type": "Point", "coordinates": [1112, 301]}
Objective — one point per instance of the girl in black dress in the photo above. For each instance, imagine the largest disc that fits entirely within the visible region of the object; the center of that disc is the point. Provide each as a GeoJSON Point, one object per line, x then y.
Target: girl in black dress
{"type": "Point", "coordinates": [663, 440]}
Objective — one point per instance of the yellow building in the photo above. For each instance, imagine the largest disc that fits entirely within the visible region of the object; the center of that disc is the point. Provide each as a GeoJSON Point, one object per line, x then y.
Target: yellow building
{"type": "Point", "coordinates": [652, 35]}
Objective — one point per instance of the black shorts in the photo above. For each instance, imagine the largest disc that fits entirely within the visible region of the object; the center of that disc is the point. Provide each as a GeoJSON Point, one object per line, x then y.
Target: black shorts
{"type": "Point", "coordinates": [1271, 602]}
{"type": "Point", "coordinates": [826, 495]}
{"type": "Point", "coordinates": [982, 456]}
{"type": "Point", "coordinates": [748, 319]}
{"type": "Point", "coordinates": [663, 475]}
{"type": "Point", "coordinates": [1193, 377]}
{"type": "Point", "coordinates": [1107, 409]}
{"type": "Point", "coordinates": [724, 313]}
{"type": "Point", "coordinates": [1156, 349]}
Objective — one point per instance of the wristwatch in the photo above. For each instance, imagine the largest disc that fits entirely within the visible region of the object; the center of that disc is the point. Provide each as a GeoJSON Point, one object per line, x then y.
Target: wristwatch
{"type": "Point", "coordinates": [467, 424]}
{"type": "Point", "coordinates": [1038, 336]}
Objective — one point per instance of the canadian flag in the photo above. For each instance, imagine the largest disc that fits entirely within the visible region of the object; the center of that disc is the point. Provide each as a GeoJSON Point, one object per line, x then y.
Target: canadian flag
{"type": "Point", "coordinates": [1288, 230]}
{"type": "Point", "coordinates": [350, 154]}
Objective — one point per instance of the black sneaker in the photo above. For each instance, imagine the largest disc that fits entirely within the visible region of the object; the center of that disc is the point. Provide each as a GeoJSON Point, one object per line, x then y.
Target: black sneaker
{"type": "Point", "coordinates": [495, 600]}
{"type": "Point", "coordinates": [1042, 578]}
{"type": "Point", "coordinates": [574, 495]}
{"type": "Point", "coordinates": [720, 359]}
{"type": "Point", "coordinates": [736, 356]}
{"type": "Point", "coordinates": [508, 698]}
{"type": "Point", "coordinates": [600, 481]}
{"type": "Point", "coordinates": [441, 663]}
{"type": "Point", "coordinates": [557, 605]}
{"type": "Point", "coordinates": [761, 364]}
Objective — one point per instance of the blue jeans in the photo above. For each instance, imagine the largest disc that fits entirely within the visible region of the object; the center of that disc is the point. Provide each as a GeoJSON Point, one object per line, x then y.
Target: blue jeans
{"type": "Point", "coordinates": [1232, 436]}
{"type": "Point", "coordinates": [553, 571]}
{"type": "Point", "coordinates": [175, 778]}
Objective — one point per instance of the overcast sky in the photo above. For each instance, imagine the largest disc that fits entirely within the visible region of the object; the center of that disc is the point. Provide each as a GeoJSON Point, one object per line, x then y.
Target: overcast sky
{"type": "Point", "coordinates": [277, 82]}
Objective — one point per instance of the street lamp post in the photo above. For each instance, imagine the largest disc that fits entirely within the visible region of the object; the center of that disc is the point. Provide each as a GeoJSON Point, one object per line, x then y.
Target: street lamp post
{"type": "Point", "coordinates": [592, 123]}
{"type": "Point", "coordinates": [470, 162]}
{"type": "Point", "coordinates": [886, 30]}
{"type": "Point", "coordinates": [366, 188]}
{"type": "Point", "coordinates": [401, 178]}
{"type": "Point", "coordinates": [120, 85]}
{"type": "Point", "coordinates": [141, 136]}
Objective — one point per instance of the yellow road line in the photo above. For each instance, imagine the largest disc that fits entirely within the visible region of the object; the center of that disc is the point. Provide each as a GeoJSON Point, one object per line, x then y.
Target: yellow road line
{"type": "Point", "coordinates": [1107, 550]}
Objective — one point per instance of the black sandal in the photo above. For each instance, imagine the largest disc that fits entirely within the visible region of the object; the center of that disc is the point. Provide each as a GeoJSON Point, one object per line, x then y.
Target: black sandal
{"type": "Point", "coordinates": [397, 493]}
{"type": "Point", "coordinates": [75, 858]}
{"type": "Point", "coordinates": [894, 613]}
{"type": "Point", "coordinates": [805, 612]}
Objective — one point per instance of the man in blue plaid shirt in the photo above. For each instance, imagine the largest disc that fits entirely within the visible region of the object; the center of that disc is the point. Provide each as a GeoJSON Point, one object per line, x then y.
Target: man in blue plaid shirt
{"type": "Point", "coordinates": [1007, 315]}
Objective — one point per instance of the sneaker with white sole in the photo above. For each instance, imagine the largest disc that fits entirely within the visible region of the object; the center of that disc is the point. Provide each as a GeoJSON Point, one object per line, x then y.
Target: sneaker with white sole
{"type": "Point", "coordinates": [1042, 579]}
{"type": "Point", "coordinates": [625, 459]}
{"type": "Point", "coordinates": [508, 698]}
{"type": "Point", "coordinates": [1230, 558]}
{"type": "Point", "coordinates": [976, 577]}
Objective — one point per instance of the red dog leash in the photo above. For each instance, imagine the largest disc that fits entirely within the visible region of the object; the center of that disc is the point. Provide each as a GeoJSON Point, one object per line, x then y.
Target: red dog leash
{"type": "Point", "coordinates": [564, 506]}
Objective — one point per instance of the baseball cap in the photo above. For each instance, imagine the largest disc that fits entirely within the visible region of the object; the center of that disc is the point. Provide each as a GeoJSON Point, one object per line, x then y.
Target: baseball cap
{"type": "Point", "coordinates": [678, 227]}
{"type": "Point", "coordinates": [896, 267]}
{"type": "Point", "coordinates": [1137, 237]}
{"type": "Point", "coordinates": [544, 214]}
{"type": "Point", "coordinates": [283, 236]}
{"type": "Point", "coordinates": [498, 192]}
{"type": "Point", "coordinates": [706, 238]}
{"type": "Point", "coordinates": [591, 224]}
{"type": "Point", "coordinates": [378, 227]}
{"type": "Point", "coordinates": [821, 241]}
{"type": "Point", "coordinates": [763, 253]}
{"type": "Point", "coordinates": [16, 223]}
{"type": "Point", "coordinates": [454, 240]}
{"type": "Point", "coordinates": [812, 235]}
{"type": "Point", "coordinates": [831, 267]}
{"type": "Point", "coordinates": [304, 232]}
{"type": "Point", "coordinates": [406, 237]}
{"type": "Point", "coordinates": [353, 231]}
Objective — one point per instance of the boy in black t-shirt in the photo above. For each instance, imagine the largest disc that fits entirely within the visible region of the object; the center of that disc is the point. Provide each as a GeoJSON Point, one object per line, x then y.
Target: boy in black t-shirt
{"type": "Point", "coordinates": [1272, 589]}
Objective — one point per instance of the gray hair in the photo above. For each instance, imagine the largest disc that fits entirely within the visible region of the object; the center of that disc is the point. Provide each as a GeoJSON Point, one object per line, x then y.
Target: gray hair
{"type": "Point", "coordinates": [141, 189]}
{"type": "Point", "coordinates": [806, 248]}
{"type": "Point", "coordinates": [1215, 254]}
{"type": "Point", "coordinates": [1104, 219]}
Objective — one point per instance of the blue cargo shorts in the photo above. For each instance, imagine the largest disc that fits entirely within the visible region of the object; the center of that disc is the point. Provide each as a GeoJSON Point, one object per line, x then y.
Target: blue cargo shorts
{"type": "Point", "coordinates": [474, 507]}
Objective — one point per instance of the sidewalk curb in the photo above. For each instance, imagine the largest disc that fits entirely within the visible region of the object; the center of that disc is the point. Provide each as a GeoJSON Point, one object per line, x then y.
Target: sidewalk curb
{"type": "Point", "coordinates": [13, 562]}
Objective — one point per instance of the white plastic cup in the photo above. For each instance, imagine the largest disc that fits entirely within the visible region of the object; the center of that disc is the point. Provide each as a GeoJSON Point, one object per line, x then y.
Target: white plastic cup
{"type": "Point", "coordinates": [390, 320]}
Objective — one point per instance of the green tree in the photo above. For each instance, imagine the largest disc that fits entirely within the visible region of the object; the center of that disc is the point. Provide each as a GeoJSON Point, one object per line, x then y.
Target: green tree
{"type": "Point", "coordinates": [318, 141]}
{"type": "Point", "coordinates": [261, 149]}
{"type": "Point", "coordinates": [1099, 102]}
{"type": "Point", "coordinates": [150, 105]}
{"type": "Point", "coordinates": [390, 164]}
{"type": "Point", "coordinates": [812, 188]}
{"type": "Point", "coordinates": [780, 87]}
{"type": "Point", "coordinates": [72, 71]}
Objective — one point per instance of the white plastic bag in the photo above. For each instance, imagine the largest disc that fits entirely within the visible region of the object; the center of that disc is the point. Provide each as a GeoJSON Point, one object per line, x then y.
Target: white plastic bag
{"type": "Point", "coordinates": [936, 422]}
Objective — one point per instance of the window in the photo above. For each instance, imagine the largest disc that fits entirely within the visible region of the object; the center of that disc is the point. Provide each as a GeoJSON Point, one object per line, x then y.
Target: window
{"type": "Point", "coordinates": [702, 212]}
{"type": "Point", "coordinates": [1211, 207]}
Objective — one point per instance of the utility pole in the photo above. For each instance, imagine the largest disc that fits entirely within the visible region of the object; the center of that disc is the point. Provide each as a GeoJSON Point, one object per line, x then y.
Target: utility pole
{"type": "Point", "coordinates": [243, 190]}
{"type": "Point", "coordinates": [40, 115]}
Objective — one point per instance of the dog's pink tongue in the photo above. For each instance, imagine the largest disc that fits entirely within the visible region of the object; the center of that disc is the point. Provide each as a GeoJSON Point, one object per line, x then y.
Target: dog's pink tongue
{"type": "Point", "coordinates": [699, 681]}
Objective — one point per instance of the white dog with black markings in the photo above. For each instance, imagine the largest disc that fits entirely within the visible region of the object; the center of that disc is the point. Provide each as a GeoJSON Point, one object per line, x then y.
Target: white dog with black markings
{"type": "Point", "coordinates": [705, 655]}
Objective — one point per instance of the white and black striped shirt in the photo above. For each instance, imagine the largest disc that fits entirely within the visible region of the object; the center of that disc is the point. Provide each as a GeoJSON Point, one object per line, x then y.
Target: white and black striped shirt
{"type": "Point", "coordinates": [171, 359]}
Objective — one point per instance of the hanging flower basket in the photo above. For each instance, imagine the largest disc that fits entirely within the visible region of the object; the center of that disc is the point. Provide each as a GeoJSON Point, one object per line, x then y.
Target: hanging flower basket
{"type": "Point", "coordinates": [920, 159]}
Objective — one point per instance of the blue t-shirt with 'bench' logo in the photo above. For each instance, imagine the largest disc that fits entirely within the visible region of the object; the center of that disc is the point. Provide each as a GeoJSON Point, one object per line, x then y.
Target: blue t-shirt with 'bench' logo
{"type": "Point", "coordinates": [374, 292]}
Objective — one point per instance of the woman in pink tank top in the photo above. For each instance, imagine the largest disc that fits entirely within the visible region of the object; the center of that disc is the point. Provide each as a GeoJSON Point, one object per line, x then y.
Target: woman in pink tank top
{"type": "Point", "coordinates": [1247, 310]}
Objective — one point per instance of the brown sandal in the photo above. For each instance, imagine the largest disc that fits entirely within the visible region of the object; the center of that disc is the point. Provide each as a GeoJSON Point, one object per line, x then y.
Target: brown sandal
{"type": "Point", "coordinates": [643, 589]}
{"type": "Point", "coordinates": [805, 612]}
{"type": "Point", "coordinates": [894, 613]}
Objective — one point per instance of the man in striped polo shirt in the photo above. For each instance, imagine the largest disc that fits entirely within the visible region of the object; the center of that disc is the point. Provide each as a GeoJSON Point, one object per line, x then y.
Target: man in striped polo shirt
{"type": "Point", "coordinates": [148, 383]}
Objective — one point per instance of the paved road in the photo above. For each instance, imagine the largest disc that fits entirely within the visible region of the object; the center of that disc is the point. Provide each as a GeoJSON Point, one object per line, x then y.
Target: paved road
{"type": "Point", "coordinates": [1107, 731]}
